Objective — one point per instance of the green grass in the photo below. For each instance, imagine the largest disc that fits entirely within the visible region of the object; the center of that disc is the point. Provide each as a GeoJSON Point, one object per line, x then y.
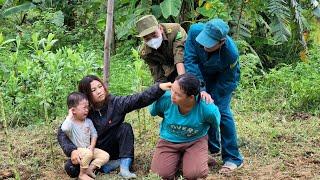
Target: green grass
{"type": "Point", "coordinates": [274, 146]}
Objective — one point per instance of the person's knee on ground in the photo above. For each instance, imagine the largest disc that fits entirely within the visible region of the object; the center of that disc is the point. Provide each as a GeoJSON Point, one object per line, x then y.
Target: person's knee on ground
{"type": "Point", "coordinates": [195, 173]}
{"type": "Point", "coordinates": [164, 174]}
{"type": "Point", "coordinates": [72, 170]}
{"type": "Point", "coordinates": [198, 169]}
{"type": "Point", "coordinates": [163, 170]}
{"type": "Point", "coordinates": [166, 159]}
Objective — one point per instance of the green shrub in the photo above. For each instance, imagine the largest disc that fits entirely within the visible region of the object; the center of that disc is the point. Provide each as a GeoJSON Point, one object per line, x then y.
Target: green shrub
{"type": "Point", "coordinates": [32, 81]}
{"type": "Point", "coordinates": [36, 77]}
{"type": "Point", "coordinates": [249, 70]}
{"type": "Point", "coordinates": [289, 88]}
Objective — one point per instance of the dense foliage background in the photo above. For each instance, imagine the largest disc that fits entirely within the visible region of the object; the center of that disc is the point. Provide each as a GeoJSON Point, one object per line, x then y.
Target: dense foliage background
{"type": "Point", "coordinates": [47, 46]}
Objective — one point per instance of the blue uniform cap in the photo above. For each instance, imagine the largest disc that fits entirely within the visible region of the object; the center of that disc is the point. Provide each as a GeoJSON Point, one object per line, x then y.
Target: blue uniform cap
{"type": "Point", "coordinates": [213, 32]}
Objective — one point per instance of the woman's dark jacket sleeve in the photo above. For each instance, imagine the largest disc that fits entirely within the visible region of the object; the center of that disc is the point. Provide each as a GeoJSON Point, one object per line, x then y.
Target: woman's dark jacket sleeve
{"type": "Point", "coordinates": [139, 100]}
{"type": "Point", "coordinates": [65, 143]}
{"type": "Point", "coordinates": [116, 110]}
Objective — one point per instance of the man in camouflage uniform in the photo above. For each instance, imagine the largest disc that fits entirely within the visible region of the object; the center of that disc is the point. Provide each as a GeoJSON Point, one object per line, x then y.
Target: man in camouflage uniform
{"type": "Point", "coordinates": [162, 48]}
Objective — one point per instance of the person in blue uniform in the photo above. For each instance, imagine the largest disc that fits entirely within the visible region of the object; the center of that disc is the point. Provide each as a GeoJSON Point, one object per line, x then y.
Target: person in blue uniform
{"type": "Point", "coordinates": [212, 56]}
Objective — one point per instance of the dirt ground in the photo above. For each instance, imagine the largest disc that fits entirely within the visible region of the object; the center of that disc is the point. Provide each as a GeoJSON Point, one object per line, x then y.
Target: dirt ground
{"type": "Point", "coordinates": [272, 150]}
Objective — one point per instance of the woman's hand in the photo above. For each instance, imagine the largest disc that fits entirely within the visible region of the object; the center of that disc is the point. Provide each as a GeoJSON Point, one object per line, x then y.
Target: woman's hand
{"type": "Point", "coordinates": [76, 157]}
{"type": "Point", "coordinates": [165, 86]}
{"type": "Point", "coordinates": [205, 96]}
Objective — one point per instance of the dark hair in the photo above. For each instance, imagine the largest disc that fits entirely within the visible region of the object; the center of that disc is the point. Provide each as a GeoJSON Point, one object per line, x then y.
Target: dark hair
{"type": "Point", "coordinates": [74, 99]}
{"type": "Point", "coordinates": [85, 87]}
{"type": "Point", "coordinates": [189, 84]}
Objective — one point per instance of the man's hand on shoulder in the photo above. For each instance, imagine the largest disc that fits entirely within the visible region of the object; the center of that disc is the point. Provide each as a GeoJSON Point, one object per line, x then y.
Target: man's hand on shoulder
{"type": "Point", "coordinates": [207, 97]}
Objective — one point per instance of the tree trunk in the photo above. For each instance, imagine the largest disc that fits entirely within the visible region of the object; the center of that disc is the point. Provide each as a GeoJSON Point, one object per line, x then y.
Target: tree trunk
{"type": "Point", "coordinates": [107, 42]}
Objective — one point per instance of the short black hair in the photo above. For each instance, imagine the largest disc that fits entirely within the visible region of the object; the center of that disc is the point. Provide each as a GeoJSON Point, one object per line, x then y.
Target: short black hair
{"type": "Point", "coordinates": [189, 84]}
{"type": "Point", "coordinates": [74, 99]}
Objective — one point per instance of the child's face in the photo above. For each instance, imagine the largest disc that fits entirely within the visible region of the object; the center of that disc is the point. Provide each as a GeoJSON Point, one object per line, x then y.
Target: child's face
{"type": "Point", "coordinates": [80, 112]}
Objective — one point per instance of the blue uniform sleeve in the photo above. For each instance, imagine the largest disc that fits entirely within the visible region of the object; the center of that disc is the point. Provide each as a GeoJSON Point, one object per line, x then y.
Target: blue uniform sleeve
{"type": "Point", "coordinates": [191, 59]}
{"type": "Point", "coordinates": [158, 108]}
{"type": "Point", "coordinates": [229, 78]}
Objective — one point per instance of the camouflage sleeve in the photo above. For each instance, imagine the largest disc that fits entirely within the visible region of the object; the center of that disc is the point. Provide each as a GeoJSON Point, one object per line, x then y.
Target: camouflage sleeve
{"type": "Point", "coordinates": [178, 46]}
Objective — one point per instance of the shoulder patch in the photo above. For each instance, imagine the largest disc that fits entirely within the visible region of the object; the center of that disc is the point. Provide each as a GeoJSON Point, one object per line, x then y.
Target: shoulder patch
{"type": "Point", "coordinates": [169, 30]}
{"type": "Point", "coordinates": [144, 50]}
{"type": "Point", "coordinates": [179, 36]}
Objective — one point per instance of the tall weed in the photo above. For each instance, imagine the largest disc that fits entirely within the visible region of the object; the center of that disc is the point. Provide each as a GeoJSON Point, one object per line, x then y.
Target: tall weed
{"type": "Point", "coordinates": [289, 88]}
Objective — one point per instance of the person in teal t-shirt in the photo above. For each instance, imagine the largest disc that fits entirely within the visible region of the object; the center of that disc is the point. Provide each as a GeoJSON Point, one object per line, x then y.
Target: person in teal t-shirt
{"type": "Point", "coordinates": [183, 130]}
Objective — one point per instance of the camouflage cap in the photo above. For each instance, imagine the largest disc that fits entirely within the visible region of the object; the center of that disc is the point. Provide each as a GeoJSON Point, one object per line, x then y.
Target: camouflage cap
{"type": "Point", "coordinates": [146, 25]}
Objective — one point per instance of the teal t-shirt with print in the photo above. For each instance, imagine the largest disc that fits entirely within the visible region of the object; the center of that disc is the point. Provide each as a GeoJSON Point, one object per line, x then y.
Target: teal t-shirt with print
{"type": "Point", "coordinates": [180, 128]}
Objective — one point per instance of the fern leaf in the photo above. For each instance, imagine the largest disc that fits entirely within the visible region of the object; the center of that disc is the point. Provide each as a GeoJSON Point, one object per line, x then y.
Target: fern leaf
{"type": "Point", "coordinates": [280, 16]}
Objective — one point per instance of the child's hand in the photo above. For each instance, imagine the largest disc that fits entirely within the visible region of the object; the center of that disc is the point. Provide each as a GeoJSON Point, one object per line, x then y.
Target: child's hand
{"type": "Point", "coordinates": [76, 157]}
{"type": "Point", "coordinates": [91, 148]}
{"type": "Point", "coordinates": [70, 114]}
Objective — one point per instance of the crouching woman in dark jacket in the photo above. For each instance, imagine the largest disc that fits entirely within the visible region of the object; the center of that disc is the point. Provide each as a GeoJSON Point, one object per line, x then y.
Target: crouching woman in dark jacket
{"type": "Point", "coordinates": [107, 113]}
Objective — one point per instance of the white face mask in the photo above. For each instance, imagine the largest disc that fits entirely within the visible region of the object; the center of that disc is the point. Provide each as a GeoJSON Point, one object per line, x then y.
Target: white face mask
{"type": "Point", "coordinates": [155, 43]}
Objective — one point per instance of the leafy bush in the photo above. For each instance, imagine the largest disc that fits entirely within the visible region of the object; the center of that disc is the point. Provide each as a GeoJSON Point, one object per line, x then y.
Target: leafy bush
{"type": "Point", "coordinates": [42, 78]}
{"type": "Point", "coordinates": [249, 70]}
{"type": "Point", "coordinates": [36, 78]}
{"type": "Point", "coordinates": [289, 88]}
